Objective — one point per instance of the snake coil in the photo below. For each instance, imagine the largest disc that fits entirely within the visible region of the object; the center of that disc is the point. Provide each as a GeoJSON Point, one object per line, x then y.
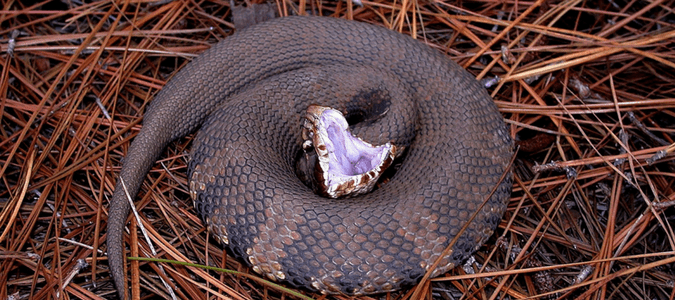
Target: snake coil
{"type": "Point", "coordinates": [248, 93]}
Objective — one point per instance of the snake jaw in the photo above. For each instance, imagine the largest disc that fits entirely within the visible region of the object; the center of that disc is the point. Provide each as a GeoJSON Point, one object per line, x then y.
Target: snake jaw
{"type": "Point", "coordinates": [345, 164]}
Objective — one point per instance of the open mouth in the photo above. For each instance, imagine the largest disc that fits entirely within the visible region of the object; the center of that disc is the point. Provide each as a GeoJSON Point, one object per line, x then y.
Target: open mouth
{"type": "Point", "coordinates": [346, 165]}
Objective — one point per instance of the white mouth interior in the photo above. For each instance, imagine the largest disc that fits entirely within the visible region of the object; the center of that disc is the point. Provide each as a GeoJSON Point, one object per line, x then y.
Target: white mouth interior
{"type": "Point", "coordinates": [348, 165]}
{"type": "Point", "coordinates": [349, 155]}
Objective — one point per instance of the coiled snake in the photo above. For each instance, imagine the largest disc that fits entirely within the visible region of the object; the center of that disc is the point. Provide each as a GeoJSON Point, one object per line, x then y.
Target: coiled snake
{"type": "Point", "coordinates": [248, 94]}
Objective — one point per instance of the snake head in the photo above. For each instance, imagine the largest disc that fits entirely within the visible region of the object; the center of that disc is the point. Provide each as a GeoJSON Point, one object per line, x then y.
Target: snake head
{"type": "Point", "coordinates": [343, 164]}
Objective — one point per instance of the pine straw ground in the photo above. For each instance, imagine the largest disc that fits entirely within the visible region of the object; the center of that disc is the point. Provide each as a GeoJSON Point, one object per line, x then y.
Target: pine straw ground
{"type": "Point", "coordinates": [586, 86]}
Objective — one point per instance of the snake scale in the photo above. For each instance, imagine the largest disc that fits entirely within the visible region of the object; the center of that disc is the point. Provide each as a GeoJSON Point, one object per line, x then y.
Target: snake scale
{"type": "Point", "coordinates": [248, 93]}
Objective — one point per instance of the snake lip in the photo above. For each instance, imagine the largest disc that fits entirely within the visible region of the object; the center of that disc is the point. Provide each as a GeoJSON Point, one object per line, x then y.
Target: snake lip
{"type": "Point", "coordinates": [345, 165]}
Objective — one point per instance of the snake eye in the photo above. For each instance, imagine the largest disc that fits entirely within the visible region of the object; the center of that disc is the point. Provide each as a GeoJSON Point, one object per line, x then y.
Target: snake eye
{"type": "Point", "coordinates": [346, 166]}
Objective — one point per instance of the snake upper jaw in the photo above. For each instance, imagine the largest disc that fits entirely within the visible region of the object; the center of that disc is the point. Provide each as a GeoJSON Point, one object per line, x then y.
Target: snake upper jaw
{"type": "Point", "coordinates": [340, 163]}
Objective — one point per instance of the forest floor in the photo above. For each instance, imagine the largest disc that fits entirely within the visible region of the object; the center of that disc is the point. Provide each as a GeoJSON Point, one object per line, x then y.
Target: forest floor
{"type": "Point", "coordinates": [587, 88]}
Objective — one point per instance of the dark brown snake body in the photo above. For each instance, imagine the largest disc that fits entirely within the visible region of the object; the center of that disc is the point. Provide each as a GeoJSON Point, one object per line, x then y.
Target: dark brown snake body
{"type": "Point", "coordinates": [248, 94]}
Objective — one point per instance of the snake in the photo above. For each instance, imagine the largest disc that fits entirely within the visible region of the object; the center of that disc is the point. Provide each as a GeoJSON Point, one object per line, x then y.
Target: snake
{"type": "Point", "coordinates": [247, 97]}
